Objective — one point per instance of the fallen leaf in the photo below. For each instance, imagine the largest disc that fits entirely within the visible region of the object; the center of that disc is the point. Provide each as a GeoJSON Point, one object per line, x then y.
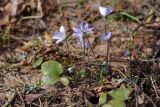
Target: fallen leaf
{"type": "Point", "coordinates": [31, 97]}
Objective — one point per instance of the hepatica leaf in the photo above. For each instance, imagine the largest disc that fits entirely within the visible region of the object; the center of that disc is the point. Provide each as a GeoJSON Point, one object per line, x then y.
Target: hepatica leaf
{"type": "Point", "coordinates": [102, 98]}
{"type": "Point", "coordinates": [38, 62]}
{"type": "Point", "coordinates": [120, 94]}
{"type": "Point", "coordinates": [51, 71]}
{"type": "Point", "coordinates": [117, 103]}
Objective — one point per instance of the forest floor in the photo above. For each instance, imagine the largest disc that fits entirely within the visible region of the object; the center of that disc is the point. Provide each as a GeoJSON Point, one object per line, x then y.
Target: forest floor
{"type": "Point", "coordinates": [26, 38]}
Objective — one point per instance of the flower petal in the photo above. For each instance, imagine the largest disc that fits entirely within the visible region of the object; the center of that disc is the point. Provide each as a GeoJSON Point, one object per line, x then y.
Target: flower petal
{"type": "Point", "coordinates": [57, 35]}
{"type": "Point", "coordinates": [61, 39]}
{"type": "Point", "coordinates": [109, 10]}
{"type": "Point", "coordinates": [105, 11]}
{"type": "Point", "coordinates": [78, 34]}
{"type": "Point", "coordinates": [106, 36]}
{"type": "Point", "coordinates": [76, 30]}
{"type": "Point", "coordinates": [62, 29]}
{"type": "Point", "coordinates": [82, 26]}
{"type": "Point", "coordinates": [86, 25]}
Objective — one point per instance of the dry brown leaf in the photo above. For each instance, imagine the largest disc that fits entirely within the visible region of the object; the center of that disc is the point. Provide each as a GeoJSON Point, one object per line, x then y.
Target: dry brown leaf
{"type": "Point", "coordinates": [31, 97]}
{"type": "Point", "coordinates": [4, 19]}
{"type": "Point", "coordinates": [48, 39]}
{"type": "Point", "coordinates": [12, 7]}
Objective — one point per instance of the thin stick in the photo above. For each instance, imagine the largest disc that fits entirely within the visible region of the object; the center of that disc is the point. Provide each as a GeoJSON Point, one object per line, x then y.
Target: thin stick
{"type": "Point", "coordinates": [155, 89]}
{"type": "Point", "coordinates": [143, 93]}
{"type": "Point", "coordinates": [10, 99]}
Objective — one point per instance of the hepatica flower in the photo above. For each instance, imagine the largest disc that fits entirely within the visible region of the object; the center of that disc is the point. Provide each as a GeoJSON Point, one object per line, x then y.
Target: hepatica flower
{"type": "Point", "coordinates": [83, 28]}
{"type": "Point", "coordinates": [60, 36]}
{"type": "Point", "coordinates": [106, 36]}
{"type": "Point", "coordinates": [105, 11]}
{"type": "Point", "coordinates": [81, 31]}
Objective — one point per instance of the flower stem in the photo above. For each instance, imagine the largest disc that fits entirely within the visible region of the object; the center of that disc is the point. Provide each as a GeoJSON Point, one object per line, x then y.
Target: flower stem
{"type": "Point", "coordinates": [105, 26]}
{"type": "Point", "coordinates": [88, 55]}
{"type": "Point", "coordinates": [91, 48]}
{"type": "Point", "coordinates": [84, 53]}
{"type": "Point", "coordinates": [68, 50]}
{"type": "Point", "coordinates": [108, 45]}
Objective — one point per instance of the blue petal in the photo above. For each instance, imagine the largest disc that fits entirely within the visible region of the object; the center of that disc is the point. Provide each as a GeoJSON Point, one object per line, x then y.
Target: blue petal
{"type": "Point", "coordinates": [82, 26]}
{"type": "Point", "coordinates": [57, 35]}
{"type": "Point", "coordinates": [106, 36]}
{"type": "Point", "coordinates": [89, 30]}
{"type": "Point", "coordinates": [77, 29]}
{"type": "Point", "coordinates": [109, 10]}
{"type": "Point", "coordinates": [78, 34]}
{"type": "Point", "coordinates": [86, 26]}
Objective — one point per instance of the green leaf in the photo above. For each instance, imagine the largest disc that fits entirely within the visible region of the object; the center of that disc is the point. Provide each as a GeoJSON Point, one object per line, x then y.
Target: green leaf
{"type": "Point", "coordinates": [120, 94]}
{"type": "Point", "coordinates": [130, 16]}
{"type": "Point", "coordinates": [107, 105]}
{"type": "Point", "coordinates": [117, 103]}
{"type": "Point", "coordinates": [38, 62]}
{"type": "Point", "coordinates": [64, 80]}
{"type": "Point", "coordinates": [51, 71]}
{"type": "Point", "coordinates": [9, 105]}
{"type": "Point", "coordinates": [103, 98]}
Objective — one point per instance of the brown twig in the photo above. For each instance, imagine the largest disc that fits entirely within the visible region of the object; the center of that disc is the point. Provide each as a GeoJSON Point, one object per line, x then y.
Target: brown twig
{"type": "Point", "coordinates": [155, 89]}
{"type": "Point", "coordinates": [10, 98]}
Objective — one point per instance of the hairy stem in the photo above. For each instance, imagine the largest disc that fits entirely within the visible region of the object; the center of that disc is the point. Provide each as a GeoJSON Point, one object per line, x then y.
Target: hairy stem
{"type": "Point", "coordinates": [68, 50]}
{"type": "Point", "coordinates": [84, 53]}
{"type": "Point", "coordinates": [108, 45]}
{"type": "Point", "coordinates": [91, 48]}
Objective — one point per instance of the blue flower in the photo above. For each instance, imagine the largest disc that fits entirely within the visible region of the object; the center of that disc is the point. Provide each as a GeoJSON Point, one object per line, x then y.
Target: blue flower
{"type": "Point", "coordinates": [60, 36]}
{"type": "Point", "coordinates": [83, 28]}
{"type": "Point", "coordinates": [80, 30]}
{"type": "Point", "coordinates": [105, 11]}
{"type": "Point", "coordinates": [106, 36]}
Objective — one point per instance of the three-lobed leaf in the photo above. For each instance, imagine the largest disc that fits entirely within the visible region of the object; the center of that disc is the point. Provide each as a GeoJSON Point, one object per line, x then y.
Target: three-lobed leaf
{"type": "Point", "coordinates": [102, 98]}
{"type": "Point", "coordinates": [117, 103]}
{"type": "Point", "coordinates": [120, 94]}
